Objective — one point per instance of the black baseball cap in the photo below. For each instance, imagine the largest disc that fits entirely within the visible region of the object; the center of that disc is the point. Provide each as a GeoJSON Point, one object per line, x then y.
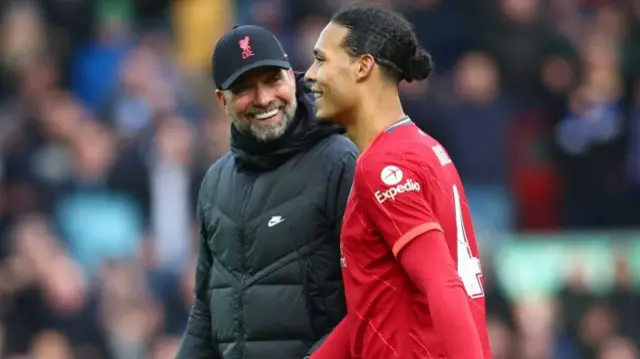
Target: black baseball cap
{"type": "Point", "coordinates": [245, 48]}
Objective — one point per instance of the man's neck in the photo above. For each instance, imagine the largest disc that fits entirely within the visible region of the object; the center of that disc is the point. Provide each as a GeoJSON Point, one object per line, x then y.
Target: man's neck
{"type": "Point", "coordinates": [373, 116]}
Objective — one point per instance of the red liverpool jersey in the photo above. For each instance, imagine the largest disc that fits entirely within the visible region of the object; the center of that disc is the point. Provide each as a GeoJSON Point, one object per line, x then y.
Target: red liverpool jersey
{"type": "Point", "coordinates": [405, 185]}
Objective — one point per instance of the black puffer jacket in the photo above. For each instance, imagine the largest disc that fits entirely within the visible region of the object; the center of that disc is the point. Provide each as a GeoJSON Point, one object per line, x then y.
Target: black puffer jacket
{"type": "Point", "coordinates": [268, 280]}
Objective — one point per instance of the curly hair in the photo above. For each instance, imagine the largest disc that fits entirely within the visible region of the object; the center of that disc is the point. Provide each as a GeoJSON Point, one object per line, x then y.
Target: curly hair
{"type": "Point", "coordinates": [388, 37]}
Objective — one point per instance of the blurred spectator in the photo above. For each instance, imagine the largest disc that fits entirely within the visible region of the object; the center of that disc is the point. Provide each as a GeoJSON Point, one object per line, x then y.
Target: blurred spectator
{"type": "Point", "coordinates": [96, 222]}
{"type": "Point", "coordinates": [619, 348]}
{"type": "Point", "coordinates": [129, 313]}
{"type": "Point", "coordinates": [519, 39]}
{"type": "Point", "coordinates": [624, 299]}
{"type": "Point", "coordinates": [197, 23]}
{"type": "Point", "coordinates": [475, 118]}
{"type": "Point", "coordinates": [48, 292]}
{"type": "Point", "coordinates": [24, 35]}
{"type": "Point", "coordinates": [95, 63]}
{"type": "Point", "coordinates": [501, 339]}
{"type": "Point", "coordinates": [589, 137]}
{"type": "Point", "coordinates": [441, 29]}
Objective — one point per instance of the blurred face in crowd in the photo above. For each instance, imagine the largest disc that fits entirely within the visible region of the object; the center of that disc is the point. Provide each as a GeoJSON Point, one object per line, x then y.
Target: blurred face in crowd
{"type": "Point", "coordinates": [521, 11]}
{"type": "Point", "coordinates": [51, 345]}
{"type": "Point", "coordinates": [261, 103]}
{"type": "Point", "coordinates": [333, 74]}
{"type": "Point", "coordinates": [174, 140]}
{"type": "Point", "coordinates": [476, 78]}
{"type": "Point", "coordinates": [61, 115]}
{"type": "Point", "coordinates": [140, 69]}
{"type": "Point", "coordinates": [94, 151]}
{"type": "Point", "coordinates": [21, 34]}
{"type": "Point", "coordinates": [618, 348]}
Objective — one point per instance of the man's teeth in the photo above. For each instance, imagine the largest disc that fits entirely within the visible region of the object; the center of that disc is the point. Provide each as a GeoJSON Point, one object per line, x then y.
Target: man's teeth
{"type": "Point", "coordinates": [317, 95]}
{"type": "Point", "coordinates": [266, 115]}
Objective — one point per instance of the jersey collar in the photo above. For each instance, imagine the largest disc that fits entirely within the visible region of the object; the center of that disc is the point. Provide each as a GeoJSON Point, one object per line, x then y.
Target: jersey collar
{"type": "Point", "coordinates": [403, 121]}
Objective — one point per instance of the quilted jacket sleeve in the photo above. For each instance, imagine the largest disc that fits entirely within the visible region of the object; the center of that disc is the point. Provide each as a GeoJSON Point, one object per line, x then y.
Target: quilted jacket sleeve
{"type": "Point", "coordinates": [197, 342]}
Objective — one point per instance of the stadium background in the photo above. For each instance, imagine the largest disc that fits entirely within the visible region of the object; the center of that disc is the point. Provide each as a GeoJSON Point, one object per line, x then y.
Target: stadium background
{"type": "Point", "coordinates": [108, 120]}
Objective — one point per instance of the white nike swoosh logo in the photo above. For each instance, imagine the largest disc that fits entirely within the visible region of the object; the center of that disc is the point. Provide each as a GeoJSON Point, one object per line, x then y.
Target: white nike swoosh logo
{"type": "Point", "coordinates": [273, 223]}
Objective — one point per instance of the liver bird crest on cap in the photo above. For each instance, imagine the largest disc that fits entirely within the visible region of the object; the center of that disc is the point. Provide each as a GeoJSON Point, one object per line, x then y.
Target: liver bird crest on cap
{"type": "Point", "coordinates": [245, 46]}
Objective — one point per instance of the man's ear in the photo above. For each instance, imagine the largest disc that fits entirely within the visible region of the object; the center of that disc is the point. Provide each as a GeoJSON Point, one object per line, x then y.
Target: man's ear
{"type": "Point", "coordinates": [364, 67]}
{"type": "Point", "coordinates": [222, 100]}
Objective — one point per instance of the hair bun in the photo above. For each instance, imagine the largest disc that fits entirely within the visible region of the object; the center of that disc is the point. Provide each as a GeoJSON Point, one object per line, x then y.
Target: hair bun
{"type": "Point", "coordinates": [419, 67]}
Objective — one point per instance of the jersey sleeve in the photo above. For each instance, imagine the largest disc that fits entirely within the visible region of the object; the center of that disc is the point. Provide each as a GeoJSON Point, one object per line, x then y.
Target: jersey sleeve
{"type": "Point", "coordinates": [393, 197]}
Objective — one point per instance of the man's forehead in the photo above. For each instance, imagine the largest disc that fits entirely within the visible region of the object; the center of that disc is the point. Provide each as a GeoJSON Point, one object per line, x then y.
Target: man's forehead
{"type": "Point", "coordinates": [330, 38]}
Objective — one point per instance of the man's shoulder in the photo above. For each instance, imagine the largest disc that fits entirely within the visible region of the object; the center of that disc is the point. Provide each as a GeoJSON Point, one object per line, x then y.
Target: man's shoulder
{"type": "Point", "coordinates": [411, 146]}
{"type": "Point", "coordinates": [334, 148]}
{"type": "Point", "coordinates": [218, 165]}
{"type": "Point", "coordinates": [339, 144]}
{"type": "Point", "coordinates": [388, 153]}
{"type": "Point", "coordinates": [214, 171]}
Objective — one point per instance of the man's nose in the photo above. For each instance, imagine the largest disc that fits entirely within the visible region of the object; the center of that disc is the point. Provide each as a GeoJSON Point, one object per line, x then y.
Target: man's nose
{"type": "Point", "coordinates": [264, 96]}
{"type": "Point", "coordinates": [310, 74]}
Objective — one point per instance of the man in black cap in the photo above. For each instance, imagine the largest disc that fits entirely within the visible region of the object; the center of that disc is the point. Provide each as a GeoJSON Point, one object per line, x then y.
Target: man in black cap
{"type": "Point", "coordinates": [268, 282]}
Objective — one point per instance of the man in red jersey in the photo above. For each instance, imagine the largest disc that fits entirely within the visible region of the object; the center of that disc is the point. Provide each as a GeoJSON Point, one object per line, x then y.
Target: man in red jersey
{"type": "Point", "coordinates": [411, 271]}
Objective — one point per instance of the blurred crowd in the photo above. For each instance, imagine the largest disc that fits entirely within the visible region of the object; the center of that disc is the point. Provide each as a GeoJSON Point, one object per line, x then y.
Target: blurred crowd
{"type": "Point", "coordinates": [108, 122]}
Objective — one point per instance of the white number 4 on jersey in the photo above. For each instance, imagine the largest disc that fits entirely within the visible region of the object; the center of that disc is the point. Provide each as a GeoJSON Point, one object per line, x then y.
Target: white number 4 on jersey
{"type": "Point", "coordinates": [469, 268]}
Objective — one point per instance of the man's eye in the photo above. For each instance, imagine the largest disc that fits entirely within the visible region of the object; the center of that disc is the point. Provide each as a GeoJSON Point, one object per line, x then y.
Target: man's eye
{"type": "Point", "coordinates": [238, 89]}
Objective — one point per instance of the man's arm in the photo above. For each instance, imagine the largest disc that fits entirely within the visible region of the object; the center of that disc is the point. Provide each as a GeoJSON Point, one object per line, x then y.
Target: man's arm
{"type": "Point", "coordinates": [197, 342]}
{"type": "Point", "coordinates": [340, 182]}
{"type": "Point", "coordinates": [404, 218]}
{"type": "Point", "coordinates": [427, 261]}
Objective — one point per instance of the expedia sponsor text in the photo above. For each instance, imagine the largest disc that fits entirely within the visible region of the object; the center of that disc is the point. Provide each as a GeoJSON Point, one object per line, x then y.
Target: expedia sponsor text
{"type": "Point", "coordinates": [408, 186]}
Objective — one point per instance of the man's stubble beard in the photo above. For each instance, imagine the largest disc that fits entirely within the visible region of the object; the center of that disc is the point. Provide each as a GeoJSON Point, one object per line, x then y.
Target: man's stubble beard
{"type": "Point", "coordinates": [264, 134]}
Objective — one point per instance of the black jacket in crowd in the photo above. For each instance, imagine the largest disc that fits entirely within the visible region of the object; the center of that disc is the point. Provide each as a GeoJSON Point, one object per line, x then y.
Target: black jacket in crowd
{"type": "Point", "coordinates": [268, 280]}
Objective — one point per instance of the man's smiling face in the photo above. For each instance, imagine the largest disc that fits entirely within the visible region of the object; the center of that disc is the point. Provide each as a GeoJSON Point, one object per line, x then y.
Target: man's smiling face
{"type": "Point", "coordinates": [262, 102]}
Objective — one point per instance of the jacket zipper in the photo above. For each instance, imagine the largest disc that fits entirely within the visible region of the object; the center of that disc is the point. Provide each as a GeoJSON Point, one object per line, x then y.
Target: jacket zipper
{"type": "Point", "coordinates": [243, 267]}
